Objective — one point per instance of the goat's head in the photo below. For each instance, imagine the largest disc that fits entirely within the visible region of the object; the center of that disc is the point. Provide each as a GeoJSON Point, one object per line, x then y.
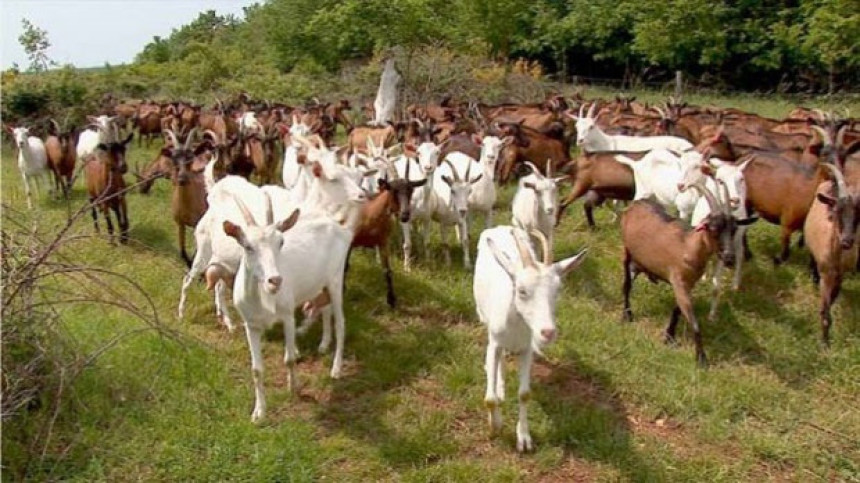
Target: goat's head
{"type": "Point", "coordinates": [585, 124]}
{"type": "Point", "coordinates": [335, 180]}
{"type": "Point", "coordinates": [491, 148]}
{"type": "Point", "coordinates": [402, 189]}
{"type": "Point", "coordinates": [545, 189]}
{"type": "Point", "coordinates": [720, 225]}
{"type": "Point", "coordinates": [261, 244]}
{"type": "Point", "coordinates": [182, 156]}
{"type": "Point", "coordinates": [461, 188]}
{"type": "Point", "coordinates": [21, 136]}
{"type": "Point", "coordinates": [732, 177]}
{"type": "Point", "coordinates": [116, 153]}
{"type": "Point", "coordinates": [428, 157]}
{"type": "Point", "coordinates": [842, 207]}
{"type": "Point", "coordinates": [536, 283]}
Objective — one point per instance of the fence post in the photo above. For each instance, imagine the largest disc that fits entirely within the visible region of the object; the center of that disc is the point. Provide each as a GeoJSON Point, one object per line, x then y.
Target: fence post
{"type": "Point", "coordinates": [679, 84]}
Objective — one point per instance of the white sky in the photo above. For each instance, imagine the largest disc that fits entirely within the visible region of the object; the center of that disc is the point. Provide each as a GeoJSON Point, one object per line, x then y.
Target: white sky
{"type": "Point", "coordinates": [88, 33]}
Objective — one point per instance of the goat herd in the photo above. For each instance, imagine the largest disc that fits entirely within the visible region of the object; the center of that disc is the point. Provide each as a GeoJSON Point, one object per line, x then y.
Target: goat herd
{"type": "Point", "coordinates": [286, 247]}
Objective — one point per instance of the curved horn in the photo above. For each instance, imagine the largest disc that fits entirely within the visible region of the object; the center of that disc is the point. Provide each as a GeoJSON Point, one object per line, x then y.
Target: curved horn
{"type": "Point", "coordinates": [840, 135]}
{"type": "Point", "coordinates": [712, 201]}
{"type": "Point", "coordinates": [214, 136]}
{"type": "Point", "coordinates": [825, 136]}
{"type": "Point", "coordinates": [591, 110]}
{"type": "Point", "coordinates": [549, 167]}
{"type": "Point", "coordinates": [821, 115]}
{"type": "Point", "coordinates": [661, 112]}
{"type": "Point", "coordinates": [534, 168]}
{"type": "Point", "coordinates": [453, 170]}
{"type": "Point", "coordinates": [468, 171]}
{"type": "Point", "coordinates": [582, 108]}
{"type": "Point", "coordinates": [270, 216]}
{"type": "Point", "coordinates": [56, 126]}
{"type": "Point", "coordinates": [249, 218]}
{"type": "Point", "coordinates": [190, 138]}
{"type": "Point", "coordinates": [837, 176]}
{"type": "Point", "coordinates": [525, 254]}
{"type": "Point", "coordinates": [544, 244]}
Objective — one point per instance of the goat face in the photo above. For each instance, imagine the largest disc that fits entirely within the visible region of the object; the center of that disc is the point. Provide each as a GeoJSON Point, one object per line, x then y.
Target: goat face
{"type": "Point", "coordinates": [843, 212]}
{"type": "Point", "coordinates": [402, 190]}
{"type": "Point", "coordinates": [722, 228]}
{"type": "Point", "coordinates": [428, 157]}
{"type": "Point", "coordinates": [337, 184]}
{"type": "Point", "coordinates": [584, 127]}
{"type": "Point", "coordinates": [21, 135]}
{"type": "Point", "coordinates": [261, 246]}
{"type": "Point", "coordinates": [460, 191]}
{"type": "Point", "coordinates": [491, 148]}
{"type": "Point", "coordinates": [546, 193]}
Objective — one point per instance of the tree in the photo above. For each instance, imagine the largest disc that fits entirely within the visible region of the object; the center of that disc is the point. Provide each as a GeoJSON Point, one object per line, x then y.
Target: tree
{"type": "Point", "coordinates": [35, 42]}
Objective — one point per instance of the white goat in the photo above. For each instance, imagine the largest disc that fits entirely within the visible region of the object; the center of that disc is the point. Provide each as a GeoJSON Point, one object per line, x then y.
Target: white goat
{"type": "Point", "coordinates": [283, 264]}
{"type": "Point", "coordinates": [292, 170]}
{"type": "Point", "coordinates": [515, 297]}
{"type": "Point", "coordinates": [592, 139]}
{"type": "Point", "coordinates": [483, 195]}
{"type": "Point", "coordinates": [386, 96]}
{"type": "Point", "coordinates": [102, 130]}
{"type": "Point", "coordinates": [248, 123]}
{"type": "Point", "coordinates": [451, 205]}
{"type": "Point", "coordinates": [660, 174]}
{"type": "Point", "coordinates": [32, 160]}
{"type": "Point", "coordinates": [536, 202]}
{"type": "Point", "coordinates": [333, 188]}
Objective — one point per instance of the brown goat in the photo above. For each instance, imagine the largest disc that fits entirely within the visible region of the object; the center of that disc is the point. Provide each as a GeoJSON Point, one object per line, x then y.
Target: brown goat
{"type": "Point", "coordinates": [60, 149]}
{"type": "Point", "coordinates": [830, 231]}
{"type": "Point", "coordinates": [103, 171]}
{"type": "Point", "coordinates": [665, 248]}
{"type": "Point", "coordinates": [602, 174]}
{"type": "Point", "coordinates": [530, 145]}
{"type": "Point", "coordinates": [188, 202]}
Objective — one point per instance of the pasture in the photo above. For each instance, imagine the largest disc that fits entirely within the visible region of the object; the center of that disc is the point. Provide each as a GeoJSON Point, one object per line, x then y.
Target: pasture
{"type": "Point", "coordinates": [610, 400]}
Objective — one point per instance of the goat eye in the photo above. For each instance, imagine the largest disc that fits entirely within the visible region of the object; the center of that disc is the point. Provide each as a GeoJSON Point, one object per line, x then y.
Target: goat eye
{"type": "Point", "coordinates": [522, 292]}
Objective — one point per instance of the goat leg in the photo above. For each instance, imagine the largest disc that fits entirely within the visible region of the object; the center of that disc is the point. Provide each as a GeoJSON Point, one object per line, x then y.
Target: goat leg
{"type": "Point", "coordinates": [669, 336]}
{"type": "Point", "coordinates": [182, 252]}
{"type": "Point", "coordinates": [628, 285]}
{"type": "Point", "coordinates": [683, 302]}
{"type": "Point", "coordinates": [389, 283]}
{"type": "Point", "coordinates": [785, 238]}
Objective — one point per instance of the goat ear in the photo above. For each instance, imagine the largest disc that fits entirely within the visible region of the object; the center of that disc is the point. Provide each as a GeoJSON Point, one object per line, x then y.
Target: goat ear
{"type": "Point", "coordinates": [530, 186]}
{"type": "Point", "coordinates": [289, 222]}
{"type": "Point", "coordinates": [707, 170]}
{"type": "Point", "coordinates": [826, 199]}
{"type": "Point", "coordinates": [234, 231]}
{"type": "Point", "coordinates": [416, 184]}
{"type": "Point", "coordinates": [317, 169]}
{"type": "Point", "coordinates": [504, 261]}
{"type": "Point", "coordinates": [476, 179]}
{"type": "Point", "coordinates": [563, 267]}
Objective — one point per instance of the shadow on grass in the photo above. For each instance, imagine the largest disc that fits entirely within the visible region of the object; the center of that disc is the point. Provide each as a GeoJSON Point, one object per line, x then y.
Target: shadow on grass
{"type": "Point", "coordinates": [588, 419]}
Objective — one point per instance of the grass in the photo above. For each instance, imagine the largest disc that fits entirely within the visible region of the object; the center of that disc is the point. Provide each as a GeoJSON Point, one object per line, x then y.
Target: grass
{"type": "Point", "coordinates": [611, 402]}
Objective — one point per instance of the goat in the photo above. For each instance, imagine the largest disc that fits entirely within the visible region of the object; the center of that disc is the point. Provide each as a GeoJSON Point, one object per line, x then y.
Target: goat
{"type": "Point", "coordinates": [452, 204]}
{"type": "Point", "coordinates": [535, 203]}
{"type": "Point", "coordinates": [188, 202]}
{"type": "Point", "coordinates": [602, 175]}
{"type": "Point", "coordinates": [659, 174]}
{"type": "Point", "coordinates": [830, 231]}
{"type": "Point", "coordinates": [423, 201]}
{"type": "Point", "coordinates": [282, 265]}
{"type": "Point", "coordinates": [482, 195]}
{"type": "Point", "coordinates": [665, 249]}
{"type": "Point", "coordinates": [530, 145]}
{"type": "Point", "coordinates": [60, 149]}
{"type": "Point", "coordinates": [515, 298]}
{"type": "Point", "coordinates": [32, 159]}
{"type": "Point", "coordinates": [591, 138]}
{"type": "Point", "coordinates": [386, 95]}
{"type": "Point", "coordinates": [103, 172]}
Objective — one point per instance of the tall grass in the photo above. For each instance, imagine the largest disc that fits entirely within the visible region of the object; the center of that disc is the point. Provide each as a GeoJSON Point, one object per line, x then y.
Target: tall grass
{"type": "Point", "coordinates": [611, 401]}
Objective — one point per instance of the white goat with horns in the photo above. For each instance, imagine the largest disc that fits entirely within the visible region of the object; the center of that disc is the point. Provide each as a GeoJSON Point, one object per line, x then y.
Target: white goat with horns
{"type": "Point", "coordinates": [32, 159]}
{"type": "Point", "coordinates": [515, 297]}
{"type": "Point", "coordinates": [536, 202]}
{"type": "Point", "coordinates": [592, 139]}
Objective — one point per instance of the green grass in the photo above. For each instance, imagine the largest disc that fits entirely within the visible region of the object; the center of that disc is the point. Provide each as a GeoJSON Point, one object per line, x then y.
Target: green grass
{"type": "Point", "coordinates": [611, 402]}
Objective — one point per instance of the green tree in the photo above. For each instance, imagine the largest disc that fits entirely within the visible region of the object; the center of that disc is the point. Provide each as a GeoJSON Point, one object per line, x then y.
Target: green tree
{"type": "Point", "coordinates": [35, 43]}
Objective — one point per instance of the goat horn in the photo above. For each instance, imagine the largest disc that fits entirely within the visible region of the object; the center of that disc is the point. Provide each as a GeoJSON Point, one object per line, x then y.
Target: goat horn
{"type": "Point", "coordinates": [534, 168]}
{"type": "Point", "coordinates": [820, 114]}
{"type": "Point", "coordinates": [661, 112]}
{"type": "Point", "coordinates": [56, 126]}
{"type": "Point", "coordinates": [544, 245]}
{"type": "Point", "coordinates": [837, 176]}
{"type": "Point", "coordinates": [406, 171]}
{"type": "Point", "coordinates": [840, 135]}
{"type": "Point", "coordinates": [825, 136]}
{"type": "Point", "coordinates": [171, 136]}
{"type": "Point", "coordinates": [453, 170]}
{"type": "Point", "coordinates": [525, 254]}
{"type": "Point", "coordinates": [249, 218]}
{"type": "Point", "coordinates": [270, 216]}
{"type": "Point", "coordinates": [468, 171]}
{"type": "Point", "coordinates": [549, 167]}
{"type": "Point", "coordinates": [581, 109]}
{"type": "Point", "coordinates": [591, 110]}
{"type": "Point", "coordinates": [190, 138]}
{"type": "Point", "coordinates": [712, 201]}
{"type": "Point", "coordinates": [214, 135]}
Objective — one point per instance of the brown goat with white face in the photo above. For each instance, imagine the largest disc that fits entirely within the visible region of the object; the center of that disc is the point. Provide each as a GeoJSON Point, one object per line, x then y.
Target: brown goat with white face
{"type": "Point", "coordinates": [103, 171]}
{"type": "Point", "coordinates": [664, 248]}
{"type": "Point", "coordinates": [830, 231]}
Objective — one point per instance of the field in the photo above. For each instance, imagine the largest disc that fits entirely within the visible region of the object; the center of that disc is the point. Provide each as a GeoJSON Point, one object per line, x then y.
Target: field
{"type": "Point", "coordinates": [611, 401]}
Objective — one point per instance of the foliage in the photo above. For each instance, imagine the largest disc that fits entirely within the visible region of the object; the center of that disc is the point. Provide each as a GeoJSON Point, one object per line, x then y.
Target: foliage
{"type": "Point", "coordinates": [35, 43]}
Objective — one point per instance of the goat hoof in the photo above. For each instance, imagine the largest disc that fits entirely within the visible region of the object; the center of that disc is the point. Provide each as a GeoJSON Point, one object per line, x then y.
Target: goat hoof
{"type": "Point", "coordinates": [669, 339]}
{"type": "Point", "coordinates": [627, 316]}
{"type": "Point", "coordinates": [392, 300]}
{"type": "Point", "coordinates": [702, 361]}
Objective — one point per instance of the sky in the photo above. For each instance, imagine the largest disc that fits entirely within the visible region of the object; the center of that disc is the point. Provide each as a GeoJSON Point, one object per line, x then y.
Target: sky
{"type": "Point", "coordinates": [89, 33]}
